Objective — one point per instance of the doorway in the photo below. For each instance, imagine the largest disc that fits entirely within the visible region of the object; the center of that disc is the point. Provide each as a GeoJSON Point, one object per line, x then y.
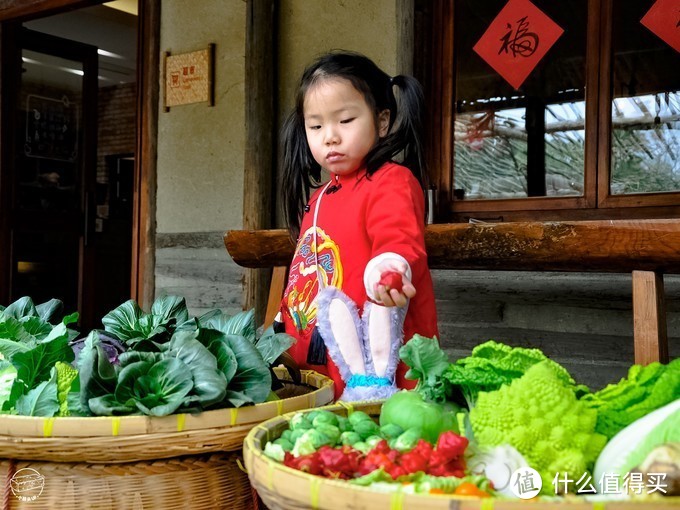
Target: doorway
{"type": "Point", "coordinates": [72, 143]}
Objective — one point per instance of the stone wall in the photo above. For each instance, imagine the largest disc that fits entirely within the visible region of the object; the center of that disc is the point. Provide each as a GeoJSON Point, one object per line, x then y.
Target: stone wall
{"type": "Point", "coordinates": [582, 320]}
{"type": "Point", "coordinates": [198, 267]}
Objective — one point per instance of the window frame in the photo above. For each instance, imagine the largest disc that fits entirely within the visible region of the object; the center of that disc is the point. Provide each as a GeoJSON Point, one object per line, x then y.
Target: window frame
{"type": "Point", "coordinates": [435, 67]}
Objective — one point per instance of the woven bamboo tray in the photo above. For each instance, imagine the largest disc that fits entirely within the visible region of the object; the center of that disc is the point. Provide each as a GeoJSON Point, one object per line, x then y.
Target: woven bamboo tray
{"type": "Point", "coordinates": [140, 462]}
{"type": "Point", "coordinates": [212, 481]}
{"type": "Point", "coordinates": [110, 439]}
{"type": "Point", "coordinates": [284, 488]}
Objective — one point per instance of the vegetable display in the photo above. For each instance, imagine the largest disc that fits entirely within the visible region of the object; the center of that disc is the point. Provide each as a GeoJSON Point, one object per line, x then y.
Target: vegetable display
{"type": "Point", "coordinates": [501, 410]}
{"type": "Point", "coordinates": [155, 363]}
{"type": "Point", "coordinates": [357, 449]}
{"type": "Point", "coordinates": [467, 428]}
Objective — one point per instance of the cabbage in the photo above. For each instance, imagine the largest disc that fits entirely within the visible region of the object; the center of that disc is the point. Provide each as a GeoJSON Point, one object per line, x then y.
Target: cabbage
{"type": "Point", "coordinates": [629, 447]}
{"type": "Point", "coordinates": [7, 375]}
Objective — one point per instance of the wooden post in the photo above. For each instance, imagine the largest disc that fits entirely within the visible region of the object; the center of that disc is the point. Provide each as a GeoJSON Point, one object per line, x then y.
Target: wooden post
{"type": "Point", "coordinates": [260, 138]}
{"type": "Point", "coordinates": [142, 277]}
{"type": "Point", "coordinates": [649, 318]}
{"type": "Point", "coordinates": [535, 125]}
{"type": "Point", "coordinates": [276, 289]}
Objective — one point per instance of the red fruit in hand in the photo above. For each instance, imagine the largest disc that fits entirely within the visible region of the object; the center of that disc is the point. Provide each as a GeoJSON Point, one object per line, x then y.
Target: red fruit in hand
{"type": "Point", "coordinates": [391, 280]}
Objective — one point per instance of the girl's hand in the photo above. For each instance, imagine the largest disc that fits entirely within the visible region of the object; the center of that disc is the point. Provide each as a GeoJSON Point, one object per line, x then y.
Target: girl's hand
{"type": "Point", "coordinates": [393, 288]}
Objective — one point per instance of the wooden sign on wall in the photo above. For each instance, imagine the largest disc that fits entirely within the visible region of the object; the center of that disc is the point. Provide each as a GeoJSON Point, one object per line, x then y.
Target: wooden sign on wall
{"type": "Point", "coordinates": [189, 77]}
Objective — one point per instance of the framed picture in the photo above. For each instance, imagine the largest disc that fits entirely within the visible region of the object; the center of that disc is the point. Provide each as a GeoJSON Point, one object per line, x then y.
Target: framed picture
{"type": "Point", "coordinates": [189, 77]}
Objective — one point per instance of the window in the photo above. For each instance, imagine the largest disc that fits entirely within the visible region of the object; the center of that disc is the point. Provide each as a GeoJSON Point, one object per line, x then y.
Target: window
{"type": "Point", "coordinates": [592, 132]}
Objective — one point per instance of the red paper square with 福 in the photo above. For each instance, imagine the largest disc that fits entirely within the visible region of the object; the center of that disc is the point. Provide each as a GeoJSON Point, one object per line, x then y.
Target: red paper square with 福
{"type": "Point", "coordinates": [517, 39]}
{"type": "Point", "coordinates": [663, 19]}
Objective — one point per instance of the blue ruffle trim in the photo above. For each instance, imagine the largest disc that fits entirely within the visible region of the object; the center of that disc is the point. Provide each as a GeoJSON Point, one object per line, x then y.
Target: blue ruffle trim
{"type": "Point", "coordinates": [367, 380]}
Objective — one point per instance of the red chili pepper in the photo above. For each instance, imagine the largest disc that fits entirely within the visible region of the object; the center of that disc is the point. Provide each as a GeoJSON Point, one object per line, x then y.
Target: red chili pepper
{"type": "Point", "coordinates": [380, 456]}
{"type": "Point", "coordinates": [307, 463]}
{"type": "Point", "coordinates": [413, 462]}
{"type": "Point", "coordinates": [375, 460]}
{"type": "Point", "coordinates": [381, 447]}
{"type": "Point", "coordinates": [451, 445]}
{"type": "Point", "coordinates": [395, 471]}
{"type": "Point", "coordinates": [423, 448]}
{"type": "Point", "coordinates": [338, 462]}
{"type": "Point", "coordinates": [454, 467]}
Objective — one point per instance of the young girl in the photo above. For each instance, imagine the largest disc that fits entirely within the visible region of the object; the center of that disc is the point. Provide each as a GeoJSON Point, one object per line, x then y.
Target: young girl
{"type": "Point", "coordinates": [366, 223]}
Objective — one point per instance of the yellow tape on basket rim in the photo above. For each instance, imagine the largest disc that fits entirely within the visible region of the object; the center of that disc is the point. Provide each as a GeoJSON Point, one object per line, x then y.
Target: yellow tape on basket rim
{"type": "Point", "coordinates": [48, 424]}
{"type": "Point", "coordinates": [279, 407]}
{"type": "Point", "coordinates": [487, 504]}
{"type": "Point", "coordinates": [314, 490]}
{"type": "Point", "coordinates": [346, 405]}
{"type": "Point", "coordinates": [234, 414]}
{"type": "Point", "coordinates": [598, 505]}
{"type": "Point", "coordinates": [270, 474]}
{"type": "Point", "coordinates": [115, 425]}
{"type": "Point", "coordinates": [180, 421]}
{"type": "Point", "coordinates": [397, 501]}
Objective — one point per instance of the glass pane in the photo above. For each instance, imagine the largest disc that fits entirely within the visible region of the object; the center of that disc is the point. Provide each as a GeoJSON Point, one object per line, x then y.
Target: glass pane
{"type": "Point", "coordinates": [46, 248]}
{"type": "Point", "coordinates": [50, 98]}
{"type": "Point", "coordinates": [645, 144]}
{"type": "Point", "coordinates": [46, 267]}
{"type": "Point", "coordinates": [526, 142]}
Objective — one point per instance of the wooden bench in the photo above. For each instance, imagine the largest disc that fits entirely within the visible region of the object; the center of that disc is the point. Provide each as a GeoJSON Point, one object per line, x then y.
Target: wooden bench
{"type": "Point", "coordinates": [647, 249]}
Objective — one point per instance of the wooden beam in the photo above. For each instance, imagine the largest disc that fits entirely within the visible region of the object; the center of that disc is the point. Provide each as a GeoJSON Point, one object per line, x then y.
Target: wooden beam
{"type": "Point", "coordinates": [649, 318]}
{"type": "Point", "coordinates": [27, 9]}
{"type": "Point", "coordinates": [620, 246]}
{"type": "Point", "coordinates": [259, 164]}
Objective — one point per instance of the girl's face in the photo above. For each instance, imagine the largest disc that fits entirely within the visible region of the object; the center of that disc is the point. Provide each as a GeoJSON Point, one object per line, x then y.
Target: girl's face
{"type": "Point", "coordinates": [341, 128]}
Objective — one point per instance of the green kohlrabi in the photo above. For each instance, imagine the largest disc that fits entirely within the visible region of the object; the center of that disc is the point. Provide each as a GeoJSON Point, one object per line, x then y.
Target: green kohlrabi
{"type": "Point", "coordinates": [426, 408]}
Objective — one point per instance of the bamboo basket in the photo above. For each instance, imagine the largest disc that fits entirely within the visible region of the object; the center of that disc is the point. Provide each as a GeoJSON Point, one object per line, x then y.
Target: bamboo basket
{"type": "Point", "coordinates": [284, 488]}
{"type": "Point", "coordinates": [141, 462]}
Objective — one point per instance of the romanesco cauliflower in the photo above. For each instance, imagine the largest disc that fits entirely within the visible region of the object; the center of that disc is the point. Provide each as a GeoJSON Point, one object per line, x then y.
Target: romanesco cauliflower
{"type": "Point", "coordinates": [540, 416]}
{"type": "Point", "coordinates": [66, 374]}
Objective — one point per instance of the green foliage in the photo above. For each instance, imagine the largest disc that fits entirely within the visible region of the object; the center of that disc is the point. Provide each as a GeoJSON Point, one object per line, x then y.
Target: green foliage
{"type": "Point", "coordinates": [32, 340]}
{"type": "Point", "coordinates": [41, 400]}
{"type": "Point", "coordinates": [131, 325]}
{"type": "Point", "coordinates": [220, 359]}
{"type": "Point", "coordinates": [646, 389]}
{"type": "Point", "coordinates": [427, 362]}
{"type": "Point", "coordinates": [493, 364]}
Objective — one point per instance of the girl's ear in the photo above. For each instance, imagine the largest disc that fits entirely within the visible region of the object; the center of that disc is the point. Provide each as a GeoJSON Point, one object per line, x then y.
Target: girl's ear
{"type": "Point", "coordinates": [383, 123]}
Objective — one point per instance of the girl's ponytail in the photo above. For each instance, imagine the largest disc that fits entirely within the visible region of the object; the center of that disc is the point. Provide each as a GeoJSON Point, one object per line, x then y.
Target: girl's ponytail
{"type": "Point", "coordinates": [299, 172]}
{"type": "Point", "coordinates": [404, 141]}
